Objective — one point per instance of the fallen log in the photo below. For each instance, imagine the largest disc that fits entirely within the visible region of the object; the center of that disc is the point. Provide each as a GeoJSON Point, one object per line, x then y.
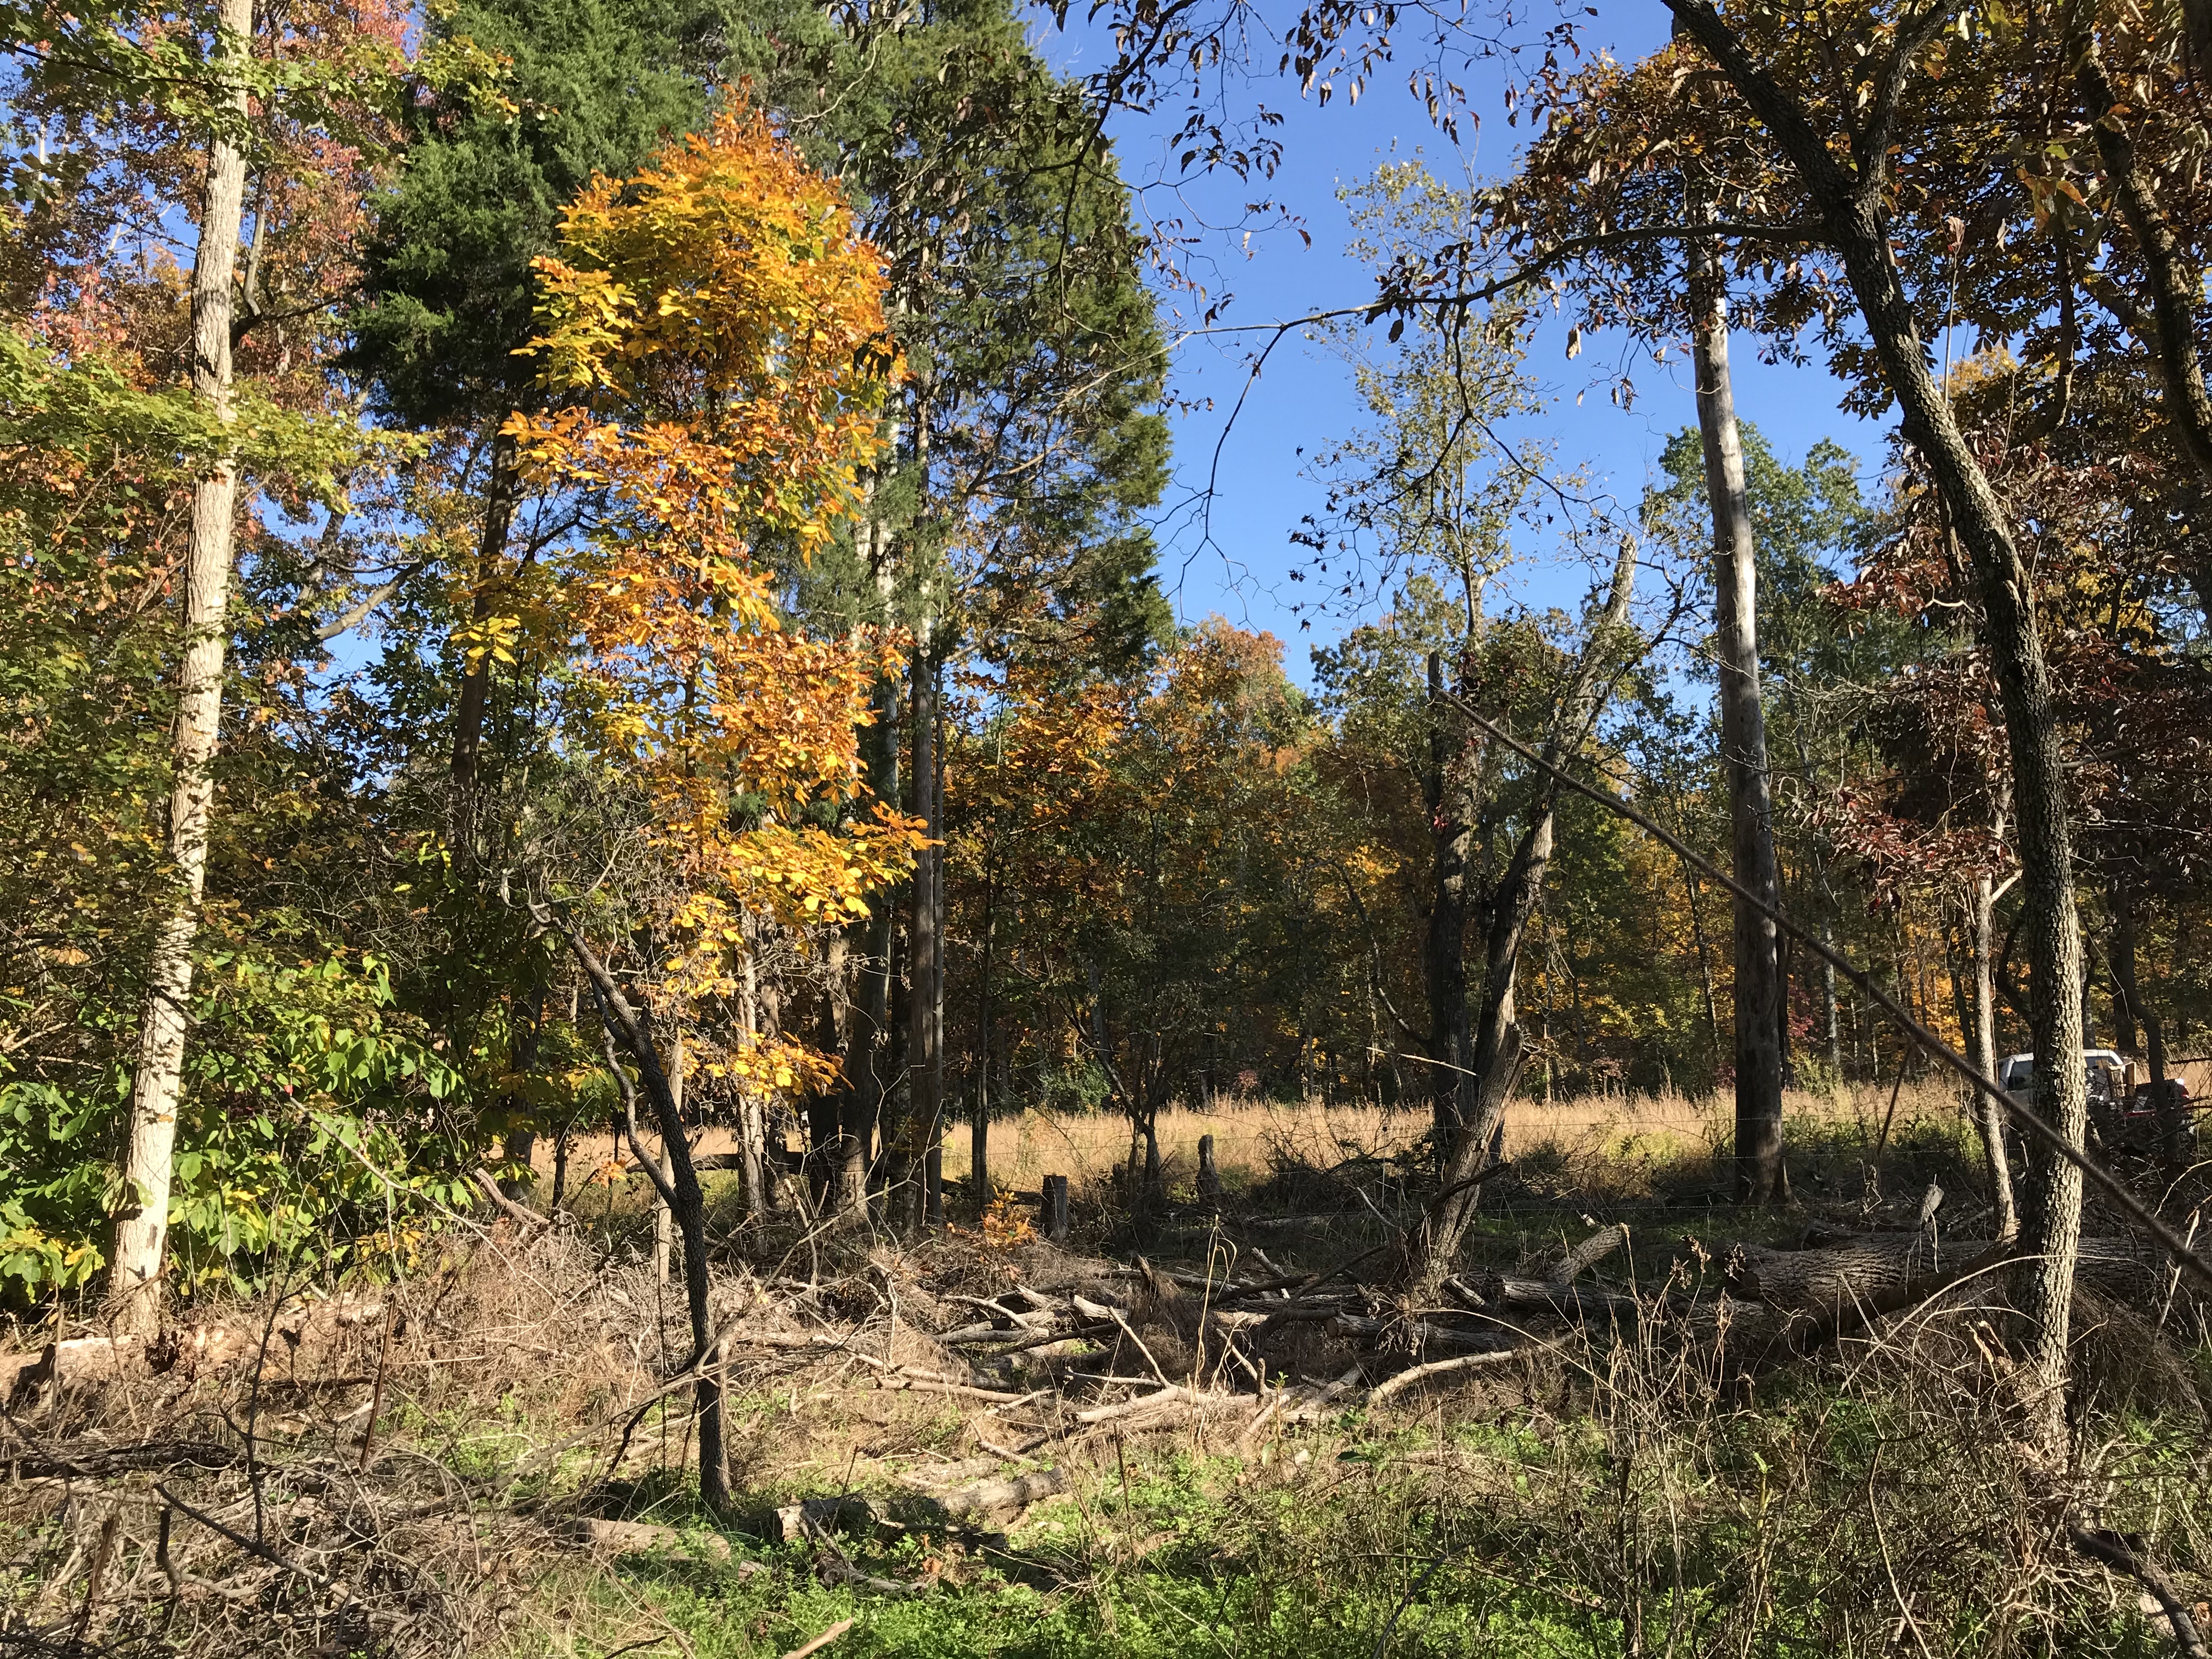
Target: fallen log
{"type": "Point", "coordinates": [1002, 1497]}
{"type": "Point", "coordinates": [79, 1361]}
{"type": "Point", "coordinates": [1839, 1276]}
{"type": "Point", "coordinates": [1868, 1267]}
{"type": "Point", "coordinates": [97, 1462]}
{"type": "Point", "coordinates": [1568, 1301]}
{"type": "Point", "coordinates": [1172, 1398]}
{"type": "Point", "coordinates": [1420, 1333]}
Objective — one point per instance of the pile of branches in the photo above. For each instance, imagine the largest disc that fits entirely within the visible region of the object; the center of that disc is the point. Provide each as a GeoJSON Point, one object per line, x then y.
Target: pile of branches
{"type": "Point", "coordinates": [242, 1484]}
{"type": "Point", "coordinates": [223, 1531]}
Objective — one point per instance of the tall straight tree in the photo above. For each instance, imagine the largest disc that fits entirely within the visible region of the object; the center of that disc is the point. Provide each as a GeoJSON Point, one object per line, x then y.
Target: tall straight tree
{"type": "Point", "coordinates": [1807, 126]}
{"type": "Point", "coordinates": [1759, 1177]}
{"type": "Point", "coordinates": [142, 1228]}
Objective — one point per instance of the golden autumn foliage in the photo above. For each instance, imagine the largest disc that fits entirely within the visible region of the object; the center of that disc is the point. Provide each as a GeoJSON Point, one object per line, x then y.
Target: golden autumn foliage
{"type": "Point", "coordinates": [718, 324]}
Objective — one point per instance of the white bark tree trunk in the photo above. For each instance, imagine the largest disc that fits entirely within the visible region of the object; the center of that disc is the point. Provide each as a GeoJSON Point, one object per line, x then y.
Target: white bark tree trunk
{"type": "Point", "coordinates": [1759, 1178]}
{"type": "Point", "coordinates": [141, 1228]}
{"type": "Point", "coordinates": [1981, 924]}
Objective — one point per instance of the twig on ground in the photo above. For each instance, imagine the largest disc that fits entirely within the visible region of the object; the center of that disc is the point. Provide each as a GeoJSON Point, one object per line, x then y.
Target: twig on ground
{"type": "Point", "coordinates": [2119, 1552]}
{"type": "Point", "coordinates": [1406, 1379]}
{"type": "Point", "coordinates": [821, 1641]}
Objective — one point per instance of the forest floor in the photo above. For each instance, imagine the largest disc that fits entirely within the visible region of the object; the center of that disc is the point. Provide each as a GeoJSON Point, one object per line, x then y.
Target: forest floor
{"type": "Point", "coordinates": [481, 1457]}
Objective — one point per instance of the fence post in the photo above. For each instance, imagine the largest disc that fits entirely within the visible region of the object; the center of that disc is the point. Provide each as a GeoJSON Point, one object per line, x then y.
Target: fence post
{"type": "Point", "coordinates": [1209, 1178]}
{"type": "Point", "coordinates": [1055, 1208]}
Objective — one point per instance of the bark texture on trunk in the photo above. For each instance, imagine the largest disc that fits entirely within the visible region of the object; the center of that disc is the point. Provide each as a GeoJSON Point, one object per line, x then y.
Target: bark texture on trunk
{"type": "Point", "coordinates": [142, 1228]}
{"type": "Point", "coordinates": [979, 1119]}
{"type": "Point", "coordinates": [1850, 201]}
{"type": "Point", "coordinates": [1453, 787]}
{"type": "Point", "coordinates": [664, 1212]}
{"type": "Point", "coordinates": [862, 1105]}
{"type": "Point", "coordinates": [925, 948]}
{"type": "Point", "coordinates": [1759, 1005]}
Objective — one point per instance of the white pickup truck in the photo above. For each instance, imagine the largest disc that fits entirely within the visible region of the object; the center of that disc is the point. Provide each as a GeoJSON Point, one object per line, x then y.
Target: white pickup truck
{"type": "Point", "coordinates": [2107, 1075]}
{"type": "Point", "coordinates": [2121, 1113]}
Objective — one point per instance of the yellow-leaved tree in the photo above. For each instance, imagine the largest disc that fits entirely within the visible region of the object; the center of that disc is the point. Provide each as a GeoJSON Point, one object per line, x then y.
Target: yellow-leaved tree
{"type": "Point", "coordinates": [716, 326]}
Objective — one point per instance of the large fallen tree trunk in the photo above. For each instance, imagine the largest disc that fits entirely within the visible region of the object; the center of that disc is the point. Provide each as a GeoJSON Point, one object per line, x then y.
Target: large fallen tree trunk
{"type": "Point", "coordinates": [1876, 1268]}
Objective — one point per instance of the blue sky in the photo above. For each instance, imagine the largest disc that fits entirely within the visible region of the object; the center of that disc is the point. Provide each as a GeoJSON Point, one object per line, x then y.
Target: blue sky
{"type": "Point", "coordinates": [1236, 562]}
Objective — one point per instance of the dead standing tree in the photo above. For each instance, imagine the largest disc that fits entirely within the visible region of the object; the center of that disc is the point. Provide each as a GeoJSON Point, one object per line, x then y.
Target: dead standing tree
{"type": "Point", "coordinates": [1759, 999]}
{"type": "Point", "coordinates": [1472, 1095]}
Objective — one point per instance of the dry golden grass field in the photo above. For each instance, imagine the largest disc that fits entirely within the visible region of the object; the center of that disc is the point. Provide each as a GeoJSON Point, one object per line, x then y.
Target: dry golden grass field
{"type": "Point", "coordinates": [1608, 1138]}
{"type": "Point", "coordinates": [1250, 1136]}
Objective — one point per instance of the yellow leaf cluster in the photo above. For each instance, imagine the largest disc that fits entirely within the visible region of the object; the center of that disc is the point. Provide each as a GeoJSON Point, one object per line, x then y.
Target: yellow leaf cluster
{"type": "Point", "coordinates": [714, 331]}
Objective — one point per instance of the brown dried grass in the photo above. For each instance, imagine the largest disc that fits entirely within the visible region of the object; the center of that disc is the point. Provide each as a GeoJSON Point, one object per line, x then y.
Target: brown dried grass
{"type": "Point", "coordinates": [1252, 1134]}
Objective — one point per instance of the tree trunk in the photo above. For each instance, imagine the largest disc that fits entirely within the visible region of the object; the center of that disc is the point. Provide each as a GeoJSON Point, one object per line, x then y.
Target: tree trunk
{"type": "Point", "coordinates": [2170, 336]}
{"type": "Point", "coordinates": [1759, 1010]}
{"type": "Point", "coordinates": [521, 1143]}
{"type": "Point", "coordinates": [861, 1105]}
{"type": "Point", "coordinates": [753, 1130]}
{"type": "Point", "coordinates": [824, 1126]}
{"type": "Point", "coordinates": [1981, 928]}
{"type": "Point", "coordinates": [2127, 1032]}
{"type": "Point", "coordinates": [924, 966]}
{"type": "Point", "coordinates": [1835, 1046]}
{"type": "Point", "coordinates": [863, 1101]}
{"type": "Point", "coordinates": [502, 491]}
{"type": "Point", "coordinates": [938, 864]}
{"type": "Point", "coordinates": [664, 1212]}
{"type": "Point", "coordinates": [1452, 787]}
{"type": "Point", "coordinates": [1476, 1131]}
{"type": "Point", "coordinates": [142, 1226]}
{"type": "Point", "coordinates": [979, 1120]}
{"type": "Point", "coordinates": [679, 1191]}
{"type": "Point", "coordinates": [2130, 1012]}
